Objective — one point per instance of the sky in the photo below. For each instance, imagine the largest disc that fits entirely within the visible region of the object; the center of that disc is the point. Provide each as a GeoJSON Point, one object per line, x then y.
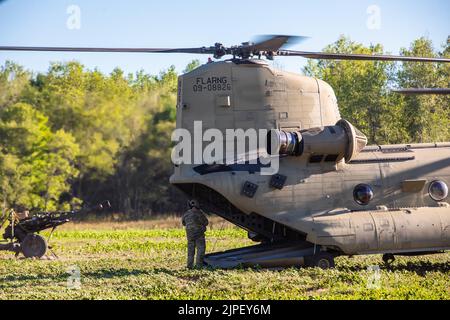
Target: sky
{"type": "Point", "coordinates": [170, 23]}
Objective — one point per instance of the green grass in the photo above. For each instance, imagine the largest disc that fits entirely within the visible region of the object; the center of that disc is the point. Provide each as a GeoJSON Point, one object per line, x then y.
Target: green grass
{"type": "Point", "coordinates": [148, 263]}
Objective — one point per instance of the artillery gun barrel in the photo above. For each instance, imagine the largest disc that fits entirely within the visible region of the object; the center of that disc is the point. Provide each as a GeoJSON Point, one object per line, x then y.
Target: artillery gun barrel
{"type": "Point", "coordinates": [45, 220]}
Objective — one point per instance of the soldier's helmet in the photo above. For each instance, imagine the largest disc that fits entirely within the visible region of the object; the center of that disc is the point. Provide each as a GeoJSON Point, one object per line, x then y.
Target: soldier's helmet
{"type": "Point", "coordinates": [193, 204]}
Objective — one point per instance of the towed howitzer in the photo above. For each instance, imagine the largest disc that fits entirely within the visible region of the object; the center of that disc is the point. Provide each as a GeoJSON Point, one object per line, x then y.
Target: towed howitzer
{"type": "Point", "coordinates": [23, 234]}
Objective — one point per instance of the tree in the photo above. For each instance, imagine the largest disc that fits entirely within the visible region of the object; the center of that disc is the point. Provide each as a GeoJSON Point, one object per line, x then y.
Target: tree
{"type": "Point", "coordinates": [194, 64]}
{"type": "Point", "coordinates": [427, 116]}
{"type": "Point", "coordinates": [364, 97]}
{"type": "Point", "coordinates": [362, 90]}
{"type": "Point", "coordinates": [142, 174]}
{"type": "Point", "coordinates": [14, 80]}
{"type": "Point", "coordinates": [36, 165]}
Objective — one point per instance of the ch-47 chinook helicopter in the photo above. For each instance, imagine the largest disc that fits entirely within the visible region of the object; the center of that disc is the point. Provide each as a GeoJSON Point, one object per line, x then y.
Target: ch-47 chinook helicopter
{"type": "Point", "coordinates": [332, 194]}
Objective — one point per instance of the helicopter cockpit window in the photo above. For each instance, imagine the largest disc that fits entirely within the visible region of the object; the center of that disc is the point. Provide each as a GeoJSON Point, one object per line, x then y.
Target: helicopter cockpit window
{"type": "Point", "coordinates": [438, 190]}
{"type": "Point", "coordinates": [363, 194]}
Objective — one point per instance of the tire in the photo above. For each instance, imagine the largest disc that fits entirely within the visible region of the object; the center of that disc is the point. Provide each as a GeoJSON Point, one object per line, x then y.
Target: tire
{"type": "Point", "coordinates": [388, 258]}
{"type": "Point", "coordinates": [33, 246]}
{"type": "Point", "coordinates": [322, 260]}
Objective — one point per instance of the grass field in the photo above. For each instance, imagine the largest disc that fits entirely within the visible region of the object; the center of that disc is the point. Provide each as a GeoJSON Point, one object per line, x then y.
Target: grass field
{"type": "Point", "coordinates": [145, 260]}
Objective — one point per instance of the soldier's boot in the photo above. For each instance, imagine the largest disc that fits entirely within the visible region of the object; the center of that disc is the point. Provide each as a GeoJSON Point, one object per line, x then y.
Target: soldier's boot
{"type": "Point", "coordinates": [201, 248]}
{"type": "Point", "coordinates": [190, 253]}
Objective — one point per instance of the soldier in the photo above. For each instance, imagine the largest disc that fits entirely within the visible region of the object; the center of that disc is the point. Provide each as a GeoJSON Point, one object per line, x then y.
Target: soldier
{"type": "Point", "coordinates": [195, 222]}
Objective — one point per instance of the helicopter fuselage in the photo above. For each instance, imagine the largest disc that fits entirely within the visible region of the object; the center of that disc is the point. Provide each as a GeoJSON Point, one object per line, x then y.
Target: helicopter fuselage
{"type": "Point", "coordinates": [317, 200]}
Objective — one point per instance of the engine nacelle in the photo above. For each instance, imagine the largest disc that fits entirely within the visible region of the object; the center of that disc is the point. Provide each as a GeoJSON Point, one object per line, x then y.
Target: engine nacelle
{"type": "Point", "coordinates": [336, 142]}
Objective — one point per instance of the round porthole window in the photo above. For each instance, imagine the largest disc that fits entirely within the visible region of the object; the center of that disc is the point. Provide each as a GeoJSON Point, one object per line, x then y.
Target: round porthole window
{"type": "Point", "coordinates": [363, 194]}
{"type": "Point", "coordinates": [438, 190]}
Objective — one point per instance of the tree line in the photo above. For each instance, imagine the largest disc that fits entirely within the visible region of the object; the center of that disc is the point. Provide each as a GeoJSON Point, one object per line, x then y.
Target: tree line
{"type": "Point", "coordinates": [365, 97]}
{"type": "Point", "coordinates": [73, 136]}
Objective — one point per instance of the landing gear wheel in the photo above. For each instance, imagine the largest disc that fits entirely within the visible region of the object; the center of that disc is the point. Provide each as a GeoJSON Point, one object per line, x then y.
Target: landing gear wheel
{"type": "Point", "coordinates": [322, 260]}
{"type": "Point", "coordinates": [388, 258]}
{"type": "Point", "coordinates": [33, 246]}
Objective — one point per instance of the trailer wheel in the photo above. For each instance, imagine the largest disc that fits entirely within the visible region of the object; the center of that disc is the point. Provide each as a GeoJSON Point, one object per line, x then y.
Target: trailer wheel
{"type": "Point", "coordinates": [322, 260]}
{"type": "Point", "coordinates": [33, 246]}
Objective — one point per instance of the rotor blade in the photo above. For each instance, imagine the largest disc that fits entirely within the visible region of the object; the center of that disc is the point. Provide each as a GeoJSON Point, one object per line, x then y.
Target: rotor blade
{"type": "Point", "coordinates": [350, 56]}
{"type": "Point", "coordinates": [202, 50]}
{"type": "Point", "coordinates": [423, 91]}
{"type": "Point", "coordinates": [273, 43]}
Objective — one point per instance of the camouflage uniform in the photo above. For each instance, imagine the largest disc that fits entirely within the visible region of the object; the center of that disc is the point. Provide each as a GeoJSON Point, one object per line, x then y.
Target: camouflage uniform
{"type": "Point", "coordinates": [195, 222]}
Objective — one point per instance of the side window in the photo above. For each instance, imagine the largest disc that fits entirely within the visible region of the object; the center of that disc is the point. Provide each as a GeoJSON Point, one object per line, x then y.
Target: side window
{"type": "Point", "coordinates": [438, 190]}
